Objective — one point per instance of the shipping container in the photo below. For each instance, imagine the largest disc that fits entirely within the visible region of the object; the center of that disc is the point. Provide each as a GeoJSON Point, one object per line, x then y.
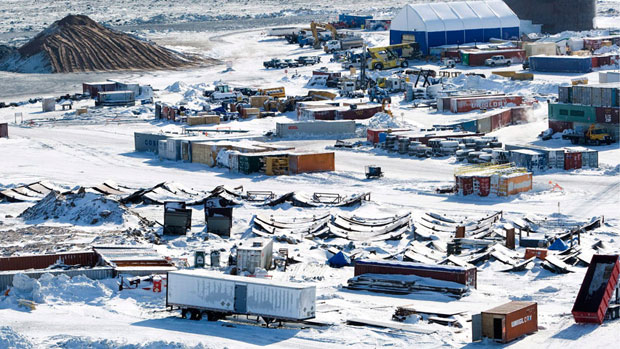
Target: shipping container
{"type": "Point", "coordinates": [316, 162]}
{"type": "Point", "coordinates": [607, 115]}
{"type": "Point", "coordinates": [250, 163]}
{"type": "Point", "coordinates": [42, 261]}
{"type": "Point", "coordinates": [482, 185]}
{"type": "Point", "coordinates": [556, 158]}
{"type": "Point", "coordinates": [359, 112]}
{"type": "Point", "coordinates": [317, 113]}
{"type": "Point", "coordinates": [539, 48]}
{"type": "Point", "coordinates": [116, 98]}
{"type": "Point", "coordinates": [48, 104]}
{"type": "Point", "coordinates": [465, 185]}
{"type": "Point", "coordinates": [93, 88]}
{"type": "Point", "coordinates": [510, 321]}
{"type": "Point", "coordinates": [501, 119]}
{"type": "Point", "coordinates": [597, 288]}
{"type": "Point", "coordinates": [512, 184]}
{"type": "Point", "coordinates": [467, 104]}
{"type": "Point", "coordinates": [589, 158]}
{"type": "Point", "coordinates": [559, 126]}
{"type": "Point", "coordinates": [529, 159]}
{"type": "Point", "coordinates": [477, 57]}
{"type": "Point", "coordinates": [540, 253]}
{"type": "Point", "coordinates": [461, 275]}
{"type": "Point", "coordinates": [4, 130]}
{"type": "Point", "coordinates": [96, 273]}
{"type": "Point", "coordinates": [372, 135]}
{"type": "Point", "coordinates": [572, 160]}
{"type": "Point", "coordinates": [254, 253]}
{"type": "Point", "coordinates": [561, 64]}
{"type": "Point", "coordinates": [565, 94]}
{"type": "Point", "coordinates": [148, 141]}
{"type": "Point", "coordinates": [198, 292]}
{"type": "Point", "coordinates": [572, 113]}
{"type": "Point", "coordinates": [484, 124]}
{"type": "Point", "coordinates": [317, 128]}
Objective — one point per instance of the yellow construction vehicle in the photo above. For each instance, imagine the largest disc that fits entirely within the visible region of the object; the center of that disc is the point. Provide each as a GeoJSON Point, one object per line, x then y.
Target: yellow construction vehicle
{"type": "Point", "coordinates": [593, 135]}
{"type": "Point", "coordinates": [392, 56]}
{"type": "Point", "coordinates": [314, 26]}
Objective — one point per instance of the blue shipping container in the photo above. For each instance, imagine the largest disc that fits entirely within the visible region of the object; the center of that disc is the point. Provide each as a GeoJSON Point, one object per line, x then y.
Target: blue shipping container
{"type": "Point", "coordinates": [353, 21]}
{"type": "Point", "coordinates": [561, 64]}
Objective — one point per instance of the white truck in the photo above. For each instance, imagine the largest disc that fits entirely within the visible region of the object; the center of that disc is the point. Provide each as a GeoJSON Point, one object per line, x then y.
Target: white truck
{"type": "Point", "coordinates": [223, 93]}
{"type": "Point", "coordinates": [202, 292]}
{"type": "Point", "coordinates": [332, 46]}
{"type": "Point", "coordinates": [497, 60]}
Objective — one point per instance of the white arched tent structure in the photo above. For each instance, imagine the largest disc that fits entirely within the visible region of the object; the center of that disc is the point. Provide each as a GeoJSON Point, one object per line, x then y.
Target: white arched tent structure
{"type": "Point", "coordinates": [437, 24]}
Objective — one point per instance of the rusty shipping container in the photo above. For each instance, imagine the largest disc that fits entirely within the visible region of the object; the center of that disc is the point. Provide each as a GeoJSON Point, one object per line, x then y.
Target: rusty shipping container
{"type": "Point", "coordinates": [360, 112]}
{"type": "Point", "coordinates": [4, 130]}
{"type": "Point", "coordinates": [501, 119]}
{"type": "Point", "coordinates": [559, 126]}
{"type": "Point", "coordinates": [606, 115]}
{"type": "Point", "coordinates": [482, 185]}
{"type": "Point", "coordinates": [510, 321]}
{"type": "Point", "coordinates": [318, 162]}
{"type": "Point", "coordinates": [461, 275]}
{"type": "Point", "coordinates": [372, 135]}
{"type": "Point", "coordinates": [572, 160]}
{"type": "Point", "coordinates": [86, 258]}
{"type": "Point", "coordinates": [477, 58]}
{"type": "Point", "coordinates": [540, 253]}
{"type": "Point", "coordinates": [463, 105]}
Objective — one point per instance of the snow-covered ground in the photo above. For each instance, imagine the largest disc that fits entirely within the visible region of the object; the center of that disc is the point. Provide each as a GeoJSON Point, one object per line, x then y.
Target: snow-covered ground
{"type": "Point", "coordinates": [85, 151]}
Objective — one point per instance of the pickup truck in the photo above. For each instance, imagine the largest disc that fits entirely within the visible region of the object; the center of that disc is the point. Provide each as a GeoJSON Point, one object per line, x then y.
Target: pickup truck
{"type": "Point", "coordinates": [497, 60]}
{"type": "Point", "coordinates": [275, 63]}
{"type": "Point", "coordinates": [308, 60]}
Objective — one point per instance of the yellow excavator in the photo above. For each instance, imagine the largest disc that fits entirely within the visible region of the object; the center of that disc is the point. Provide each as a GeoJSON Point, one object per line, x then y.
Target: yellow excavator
{"type": "Point", "coordinates": [314, 26]}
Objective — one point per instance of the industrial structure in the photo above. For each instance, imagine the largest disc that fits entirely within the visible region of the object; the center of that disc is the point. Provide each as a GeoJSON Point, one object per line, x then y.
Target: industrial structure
{"type": "Point", "coordinates": [556, 15]}
{"type": "Point", "coordinates": [454, 23]}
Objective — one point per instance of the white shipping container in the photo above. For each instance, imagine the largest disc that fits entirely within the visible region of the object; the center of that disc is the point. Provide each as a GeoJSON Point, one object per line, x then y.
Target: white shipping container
{"type": "Point", "coordinates": [255, 253]}
{"type": "Point", "coordinates": [205, 290]}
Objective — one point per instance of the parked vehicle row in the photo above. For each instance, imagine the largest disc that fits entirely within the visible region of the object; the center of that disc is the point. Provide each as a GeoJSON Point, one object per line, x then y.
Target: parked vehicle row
{"type": "Point", "coordinates": [277, 63]}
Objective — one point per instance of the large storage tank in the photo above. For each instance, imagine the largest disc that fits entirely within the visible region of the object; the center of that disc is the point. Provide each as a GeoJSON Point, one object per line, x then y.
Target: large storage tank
{"type": "Point", "coordinates": [556, 15]}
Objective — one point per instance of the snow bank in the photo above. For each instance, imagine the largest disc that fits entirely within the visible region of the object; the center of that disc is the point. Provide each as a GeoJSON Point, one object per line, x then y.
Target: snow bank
{"type": "Point", "coordinates": [81, 209]}
{"type": "Point", "coordinates": [57, 289]}
{"type": "Point", "coordinates": [12, 340]}
{"type": "Point", "coordinates": [71, 342]}
{"type": "Point", "coordinates": [502, 84]}
{"type": "Point", "coordinates": [383, 120]}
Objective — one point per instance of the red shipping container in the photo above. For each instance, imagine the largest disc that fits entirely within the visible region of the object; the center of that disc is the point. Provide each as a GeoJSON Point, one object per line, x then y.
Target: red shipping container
{"type": "Point", "coordinates": [323, 114]}
{"type": "Point", "coordinates": [477, 58]}
{"type": "Point", "coordinates": [605, 115]}
{"type": "Point", "coordinates": [595, 62]}
{"type": "Point", "coordinates": [372, 135]}
{"type": "Point", "coordinates": [559, 126]}
{"type": "Point", "coordinates": [501, 119]}
{"type": "Point", "coordinates": [596, 290]}
{"type": "Point", "coordinates": [540, 253]}
{"type": "Point", "coordinates": [572, 160]}
{"type": "Point", "coordinates": [484, 185]}
{"type": "Point", "coordinates": [465, 185]}
{"type": "Point", "coordinates": [361, 113]}
{"type": "Point", "coordinates": [87, 259]}
{"type": "Point", "coordinates": [463, 105]}
{"type": "Point", "coordinates": [461, 275]}
{"type": "Point", "coordinates": [603, 61]}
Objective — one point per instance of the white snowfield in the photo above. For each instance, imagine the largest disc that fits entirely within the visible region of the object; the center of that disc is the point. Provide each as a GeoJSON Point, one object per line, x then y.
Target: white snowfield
{"type": "Point", "coordinates": [87, 150]}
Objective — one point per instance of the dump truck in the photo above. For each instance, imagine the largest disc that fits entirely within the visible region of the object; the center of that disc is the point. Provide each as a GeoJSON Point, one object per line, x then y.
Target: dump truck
{"type": "Point", "coordinates": [343, 44]}
{"type": "Point", "coordinates": [202, 292]}
{"type": "Point", "coordinates": [593, 135]}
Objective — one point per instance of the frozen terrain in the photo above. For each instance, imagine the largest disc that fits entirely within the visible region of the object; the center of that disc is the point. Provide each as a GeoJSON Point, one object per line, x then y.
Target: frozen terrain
{"type": "Point", "coordinates": [73, 151]}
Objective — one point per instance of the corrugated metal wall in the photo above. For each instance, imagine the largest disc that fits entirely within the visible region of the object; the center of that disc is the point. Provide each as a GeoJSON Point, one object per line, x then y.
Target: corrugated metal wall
{"type": "Point", "coordinates": [88, 259]}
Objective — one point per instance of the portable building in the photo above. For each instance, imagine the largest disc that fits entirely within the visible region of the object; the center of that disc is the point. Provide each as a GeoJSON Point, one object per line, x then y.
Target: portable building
{"type": "Point", "coordinates": [461, 275]}
{"type": "Point", "coordinates": [312, 162]}
{"type": "Point", "coordinates": [561, 64]}
{"type": "Point", "coordinates": [510, 321]}
{"type": "Point", "coordinates": [254, 253]}
{"type": "Point", "coordinates": [4, 130]}
{"type": "Point", "coordinates": [93, 88]}
{"type": "Point", "coordinates": [597, 289]}
{"type": "Point", "coordinates": [316, 128]}
{"type": "Point", "coordinates": [437, 24]}
{"type": "Point", "coordinates": [216, 293]}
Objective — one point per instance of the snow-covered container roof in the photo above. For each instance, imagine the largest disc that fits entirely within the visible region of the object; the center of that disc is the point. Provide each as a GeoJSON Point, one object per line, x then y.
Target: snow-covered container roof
{"type": "Point", "coordinates": [432, 17]}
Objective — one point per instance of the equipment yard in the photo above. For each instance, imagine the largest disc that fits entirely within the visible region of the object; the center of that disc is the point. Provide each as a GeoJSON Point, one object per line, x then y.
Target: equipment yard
{"type": "Point", "coordinates": [308, 175]}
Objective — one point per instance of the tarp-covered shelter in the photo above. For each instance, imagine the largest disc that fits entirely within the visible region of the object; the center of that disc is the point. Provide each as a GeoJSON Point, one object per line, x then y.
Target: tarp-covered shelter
{"type": "Point", "coordinates": [453, 23]}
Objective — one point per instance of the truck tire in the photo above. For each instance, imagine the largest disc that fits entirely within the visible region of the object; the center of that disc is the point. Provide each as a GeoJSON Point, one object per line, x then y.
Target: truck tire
{"type": "Point", "coordinates": [574, 140]}
{"type": "Point", "coordinates": [608, 141]}
{"type": "Point", "coordinates": [186, 314]}
{"type": "Point", "coordinates": [378, 66]}
{"type": "Point", "coordinates": [196, 315]}
{"type": "Point", "coordinates": [492, 64]}
{"type": "Point", "coordinates": [508, 63]}
{"type": "Point", "coordinates": [404, 64]}
{"type": "Point", "coordinates": [598, 142]}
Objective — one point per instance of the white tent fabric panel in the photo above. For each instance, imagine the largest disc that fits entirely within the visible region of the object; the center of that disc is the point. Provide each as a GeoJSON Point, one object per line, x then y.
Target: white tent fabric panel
{"type": "Point", "coordinates": [408, 20]}
{"type": "Point", "coordinates": [487, 16]}
{"type": "Point", "coordinates": [505, 14]}
{"type": "Point", "coordinates": [429, 18]}
{"type": "Point", "coordinates": [467, 15]}
{"type": "Point", "coordinates": [450, 20]}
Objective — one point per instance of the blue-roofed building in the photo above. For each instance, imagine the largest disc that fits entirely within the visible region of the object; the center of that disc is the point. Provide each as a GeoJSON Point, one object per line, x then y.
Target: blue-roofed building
{"type": "Point", "coordinates": [453, 23]}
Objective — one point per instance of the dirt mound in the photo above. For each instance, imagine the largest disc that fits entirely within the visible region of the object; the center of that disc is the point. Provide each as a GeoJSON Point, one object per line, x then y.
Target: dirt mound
{"type": "Point", "coordinates": [81, 208]}
{"type": "Point", "coordinates": [76, 43]}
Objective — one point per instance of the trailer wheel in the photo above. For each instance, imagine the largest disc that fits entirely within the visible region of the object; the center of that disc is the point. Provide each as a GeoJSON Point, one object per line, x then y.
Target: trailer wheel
{"type": "Point", "coordinates": [268, 320]}
{"type": "Point", "coordinates": [608, 141]}
{"type": "Point", "coordinates": [213, 316]}
{"type": "Point", "coordinates": [196, 315]}
{"type": "Point", "coordinates": [186, 314]}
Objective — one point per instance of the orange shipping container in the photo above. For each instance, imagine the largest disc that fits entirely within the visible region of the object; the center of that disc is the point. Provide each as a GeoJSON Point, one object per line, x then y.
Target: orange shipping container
{"type": "Point", "coordinates": [302, 163]}
{"type": "Point", "coordinates": [540, 253]}
{"type": "Point", "coordinates": [514, 184]}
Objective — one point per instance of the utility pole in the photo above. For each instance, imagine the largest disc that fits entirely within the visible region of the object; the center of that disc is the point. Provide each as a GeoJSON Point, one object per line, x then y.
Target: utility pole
{"type": "Point", "coordinates": [363, 69]}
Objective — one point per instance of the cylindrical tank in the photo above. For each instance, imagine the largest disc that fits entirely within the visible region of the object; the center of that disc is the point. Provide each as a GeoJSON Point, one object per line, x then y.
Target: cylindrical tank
{"type": "Point", "coordinates": [556, 15]}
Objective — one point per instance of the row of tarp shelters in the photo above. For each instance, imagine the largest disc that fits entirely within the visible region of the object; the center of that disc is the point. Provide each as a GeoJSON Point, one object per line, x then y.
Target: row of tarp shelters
{"type": "Point", "coordinates": [437, 24]}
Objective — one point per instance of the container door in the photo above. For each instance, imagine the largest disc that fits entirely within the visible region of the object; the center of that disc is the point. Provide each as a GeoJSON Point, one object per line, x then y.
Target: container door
{"type": "Point", "coordinates": [241, 299]}
{"type": "Point", "coordinates": [497, 329]}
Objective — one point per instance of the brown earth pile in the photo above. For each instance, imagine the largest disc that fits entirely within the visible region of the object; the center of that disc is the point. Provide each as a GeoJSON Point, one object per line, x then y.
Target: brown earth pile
{"type": "Point", "coordinates": [76, 43]}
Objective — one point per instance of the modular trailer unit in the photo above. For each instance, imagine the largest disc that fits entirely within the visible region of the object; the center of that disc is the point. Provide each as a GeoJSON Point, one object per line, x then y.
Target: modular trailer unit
{"type": "Point", "coordinates": [116, 98]}
{"type": "Point", "coordinates": [597, 289]}
{"type": "Point", "coordinates": [510, 321]}
{"type": "Point", "coordinates": [461, 275]}
{"type": "Point", "coordinates": [255, 253]}
{"type": "Point", "coordinates": [198, 292]}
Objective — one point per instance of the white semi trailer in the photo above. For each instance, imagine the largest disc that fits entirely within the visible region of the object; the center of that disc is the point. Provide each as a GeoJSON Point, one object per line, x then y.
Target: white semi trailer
{"type": "Point", "coordinates": [201, 292]}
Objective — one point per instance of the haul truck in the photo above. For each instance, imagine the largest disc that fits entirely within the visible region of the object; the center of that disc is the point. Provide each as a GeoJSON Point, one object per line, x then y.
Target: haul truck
{"type": "Point", "coordinates": [201, 292]}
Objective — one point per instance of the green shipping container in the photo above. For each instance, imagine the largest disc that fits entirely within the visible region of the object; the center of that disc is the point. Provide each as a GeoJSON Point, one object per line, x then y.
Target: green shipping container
{"type": "Point", "coordinates": [249, 163]}
{"type": "Point", "coordinates": [572, 113]}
